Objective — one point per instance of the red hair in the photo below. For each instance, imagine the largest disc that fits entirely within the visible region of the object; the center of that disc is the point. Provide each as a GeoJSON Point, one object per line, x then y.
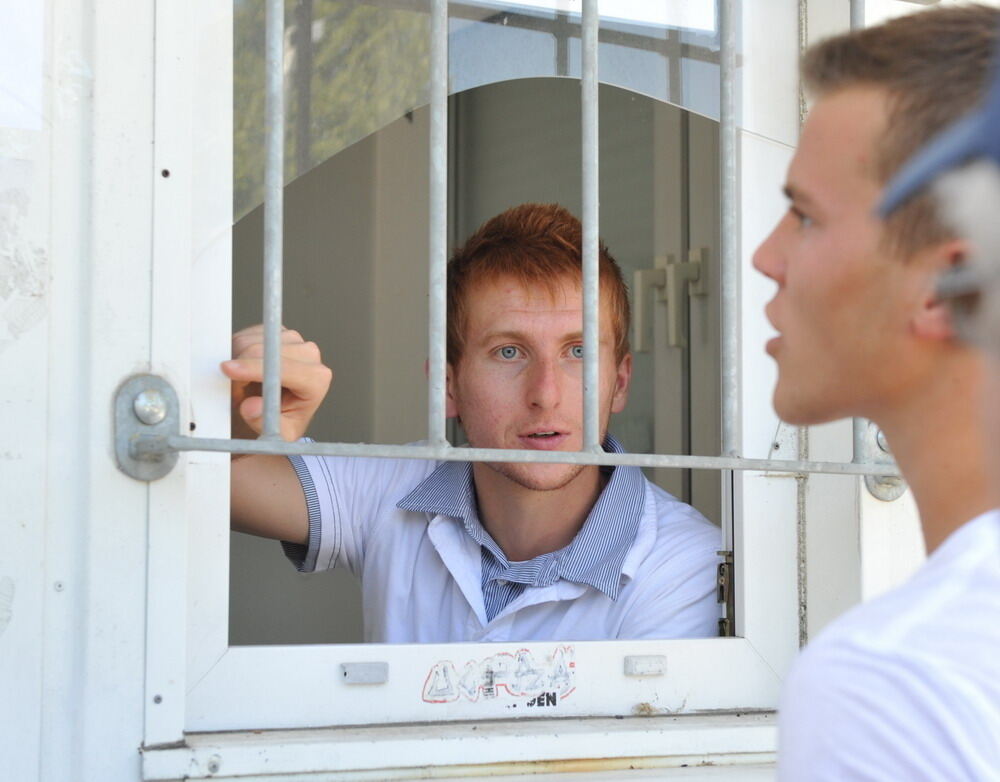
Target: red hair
{"type": "Point", "coordinates": [539, 245]}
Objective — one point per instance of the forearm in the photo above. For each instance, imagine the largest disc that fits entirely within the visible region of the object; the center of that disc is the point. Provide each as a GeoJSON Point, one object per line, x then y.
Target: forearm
{"type": "Point", "coordinates": [266, 499]}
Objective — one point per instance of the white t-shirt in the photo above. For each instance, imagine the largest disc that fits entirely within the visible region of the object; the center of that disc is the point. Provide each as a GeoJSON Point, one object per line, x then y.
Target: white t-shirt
{"type": "Point", "coordinates": [421, 570]}
{"type": "Point", "coordinates": [906, 687]}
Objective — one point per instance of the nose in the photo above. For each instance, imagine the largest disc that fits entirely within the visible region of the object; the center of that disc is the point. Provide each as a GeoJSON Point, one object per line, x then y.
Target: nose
{"type": "Point", "coordinates": [768, 258]}
{"type": "Point", "coordinates": [545, 381]}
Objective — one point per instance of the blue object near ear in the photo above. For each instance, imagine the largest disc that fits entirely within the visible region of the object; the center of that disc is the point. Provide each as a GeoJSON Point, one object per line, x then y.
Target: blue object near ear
{"type": "Point", "coordinates": [975, 135]}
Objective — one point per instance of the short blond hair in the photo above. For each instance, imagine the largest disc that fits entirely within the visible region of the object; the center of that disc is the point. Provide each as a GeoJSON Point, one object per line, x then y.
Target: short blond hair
{"type": "Point", "coordinates": [934, 65]}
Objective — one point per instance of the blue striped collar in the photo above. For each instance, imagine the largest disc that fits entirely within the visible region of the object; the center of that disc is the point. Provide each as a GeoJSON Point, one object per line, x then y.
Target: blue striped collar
{"type": "Point", "coordinates": [597, 553]}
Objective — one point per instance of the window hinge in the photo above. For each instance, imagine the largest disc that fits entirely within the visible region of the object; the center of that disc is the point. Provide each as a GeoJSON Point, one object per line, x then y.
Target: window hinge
{"type": "Point", "coordinates": [724, 592]}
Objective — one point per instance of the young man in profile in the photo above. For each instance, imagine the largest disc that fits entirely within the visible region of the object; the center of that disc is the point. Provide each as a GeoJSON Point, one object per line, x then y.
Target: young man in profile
{"type": "Point", "coordinates": [455, 551]}
{"type": "Point", "coordinates": [906, 687]}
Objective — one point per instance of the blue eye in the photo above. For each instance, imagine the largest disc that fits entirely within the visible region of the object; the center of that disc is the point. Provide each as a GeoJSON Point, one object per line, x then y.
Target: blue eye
{"type": "Point", "coordinates": [576, 351]}
{"type": "Point", "coordinates": [805, 221]}
{"type": "Point", "coordinates": [508, 352]}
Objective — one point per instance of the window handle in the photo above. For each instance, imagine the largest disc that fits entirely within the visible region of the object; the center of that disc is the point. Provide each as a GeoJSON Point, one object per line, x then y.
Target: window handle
{"type": "Point", "coordinates": [670, 281]}
{"type": "Point", "coordinates": [645, 281]}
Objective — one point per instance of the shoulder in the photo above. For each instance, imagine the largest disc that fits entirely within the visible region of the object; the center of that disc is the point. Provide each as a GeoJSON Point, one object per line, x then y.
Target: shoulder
{"type": "Point", "coordinates": [895, 690]}
{"type": "Point", "coordinates": [676, 547]}
{"type": "Point", "coordinates": [679, 526]}
{"type": "Point", "coordinates": [849, 711]}
{"type": "Point", "coordinates": [379, 478]}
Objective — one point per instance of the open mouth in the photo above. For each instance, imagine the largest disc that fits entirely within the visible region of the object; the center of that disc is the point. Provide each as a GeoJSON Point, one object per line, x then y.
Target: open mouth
{"type": "Point", "coordinates": [545, 439]}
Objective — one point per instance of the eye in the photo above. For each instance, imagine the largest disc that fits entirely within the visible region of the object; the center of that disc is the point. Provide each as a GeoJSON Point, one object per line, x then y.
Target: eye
{"type": "Point", "coordinates": [508, 352]}
{"type": "Point", "coordinates": [805, 221]}
{"type": "Point", "coordinates": [576, 351]}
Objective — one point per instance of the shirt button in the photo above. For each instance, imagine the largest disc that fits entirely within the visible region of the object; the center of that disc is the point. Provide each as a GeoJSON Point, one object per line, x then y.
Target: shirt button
{"type": "Point", "coordinates": [502, 582]}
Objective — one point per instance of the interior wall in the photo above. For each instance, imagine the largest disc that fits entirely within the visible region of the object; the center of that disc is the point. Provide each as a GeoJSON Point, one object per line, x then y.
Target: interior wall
{"type": "Point", "coordinates": [520, 141]}
{"type": "Point", "coordinates": [329, 239]}
{"type": "Point", "coordinates": [400, 280]}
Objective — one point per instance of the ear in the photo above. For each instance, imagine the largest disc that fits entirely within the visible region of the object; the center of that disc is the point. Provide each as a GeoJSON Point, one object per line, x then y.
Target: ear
{"type": "Point", "coordinates": [623, 377]}
{"type": "Point", "coordinates": [933, 319]}
{"type": "Point", "coordinates": [450, 403]}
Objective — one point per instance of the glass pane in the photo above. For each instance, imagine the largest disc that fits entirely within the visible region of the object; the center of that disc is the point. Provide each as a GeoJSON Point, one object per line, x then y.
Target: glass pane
{"type": "Point", "coordinates": [354, 66]}
{"type": "Point", "coordinates": [356, 214]}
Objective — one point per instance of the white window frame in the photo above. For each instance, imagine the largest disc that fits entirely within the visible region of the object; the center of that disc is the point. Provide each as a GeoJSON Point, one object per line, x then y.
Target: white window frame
{"type": "Point", "coordinates": [196, 684]}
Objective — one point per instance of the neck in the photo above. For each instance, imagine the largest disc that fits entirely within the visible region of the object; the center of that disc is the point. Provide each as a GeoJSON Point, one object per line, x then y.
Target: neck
{"type": "Point", "coordinates": [525, 522]}
{"type": "Point", "coordinates": [938, 439]}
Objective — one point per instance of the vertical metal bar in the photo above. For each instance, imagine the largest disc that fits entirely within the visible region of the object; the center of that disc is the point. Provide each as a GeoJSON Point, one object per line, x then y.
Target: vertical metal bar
{"type": "Point", "coordinates": [438, 247]}
{"type": "Point", "coordinates": [591, 227]}
{"type": "Point", "coordinates": [860, 425]}
{"type": "Point", "coordinates": [802, 432]}
{"type": "Point", "coordinates": [857, 14]}
{"type": "Point", "coordinates": [273, 215]}
{"type": "Point", "coordinates": [729, 241]}
{"type": "Point", "coordinates": [561, 32]}
{"type": "Point", "coordinates": [860, 429]}
{"type": "Point", "coordinates": [303, 85]}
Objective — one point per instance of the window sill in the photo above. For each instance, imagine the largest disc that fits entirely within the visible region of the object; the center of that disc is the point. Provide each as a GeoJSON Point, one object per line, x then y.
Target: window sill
{"type": "Point", "coordinates": [468, 749]}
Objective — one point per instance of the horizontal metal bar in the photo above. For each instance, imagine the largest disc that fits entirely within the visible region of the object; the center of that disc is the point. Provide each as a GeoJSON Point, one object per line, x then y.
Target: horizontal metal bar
{"type": "Point", "coordinates": [146, 446]}
{"type": "Point", "coordinates": [554, 25]}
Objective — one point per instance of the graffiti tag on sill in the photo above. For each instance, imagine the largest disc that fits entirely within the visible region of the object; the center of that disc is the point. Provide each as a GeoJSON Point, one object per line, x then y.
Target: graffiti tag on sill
{"type": "Point", "coordinates": [519, 678]}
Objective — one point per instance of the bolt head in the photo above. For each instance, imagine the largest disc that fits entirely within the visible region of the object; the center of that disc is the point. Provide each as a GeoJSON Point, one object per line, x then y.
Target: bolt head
{"type": "Point", "coordinates": [882, 442]}
{"type": "Point", "coordinates": [150, 407]}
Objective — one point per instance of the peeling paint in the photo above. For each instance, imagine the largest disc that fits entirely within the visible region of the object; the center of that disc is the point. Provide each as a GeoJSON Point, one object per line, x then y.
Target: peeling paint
{"type": "Point", "coordinates": [6, 602]}
{"type": "Point", "coordinates": [646, 709]}
{"type": "Point", "coordinates": [24, 268]}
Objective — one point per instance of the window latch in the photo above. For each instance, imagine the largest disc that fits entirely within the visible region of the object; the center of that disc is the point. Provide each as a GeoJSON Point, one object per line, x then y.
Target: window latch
{"type": "Point", "coordinates": [668, 279]}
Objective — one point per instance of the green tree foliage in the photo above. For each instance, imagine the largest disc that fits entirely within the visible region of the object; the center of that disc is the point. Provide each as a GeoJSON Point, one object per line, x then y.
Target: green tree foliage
{"type": "Point", "coordinates": [369, 66]}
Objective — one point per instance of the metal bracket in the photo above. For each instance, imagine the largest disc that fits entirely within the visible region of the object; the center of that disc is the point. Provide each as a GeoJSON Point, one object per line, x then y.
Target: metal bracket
{"type": "Point", "coordinates": [876, 451]}
{"type": "Point", "coordinates": [725, 594]}
{"type": "Point", "coordinates": [668, 278]}
{"type": "Point", "coordinates": [145, 405]}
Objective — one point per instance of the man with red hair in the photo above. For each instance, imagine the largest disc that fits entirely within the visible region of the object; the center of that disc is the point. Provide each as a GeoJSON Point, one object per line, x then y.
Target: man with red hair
{"type": "Point", "coordinates": [457, 551]}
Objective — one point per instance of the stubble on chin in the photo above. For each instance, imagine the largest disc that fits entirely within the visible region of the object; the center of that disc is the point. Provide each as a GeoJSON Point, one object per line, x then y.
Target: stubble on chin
{"type": "Point", "coordinates": [526, 477]}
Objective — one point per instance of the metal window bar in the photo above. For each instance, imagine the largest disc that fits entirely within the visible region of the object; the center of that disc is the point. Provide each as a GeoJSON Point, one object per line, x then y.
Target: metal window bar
{"type": "Point", "coordinates": [591, 226]}
{"type": "Point", "coordinates": [859, 426]}
{"type": "Point", "coordinates": [438, 248]}
{"type": "Point", "coordinates": [152, 446]}
{"type": "Point", "coordinates": [274, 181]}
{"type": "Point", "coordinates": [729, 242]}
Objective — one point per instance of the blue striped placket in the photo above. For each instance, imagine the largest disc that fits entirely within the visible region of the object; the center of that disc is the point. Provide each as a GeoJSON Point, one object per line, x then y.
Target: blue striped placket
{"type": "Point", "coordinates": [594, 557]}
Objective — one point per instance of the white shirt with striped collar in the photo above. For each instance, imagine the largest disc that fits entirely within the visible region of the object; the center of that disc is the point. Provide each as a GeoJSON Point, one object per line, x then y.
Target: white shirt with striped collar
{"type": "Point", "coordinates": [642, 566]}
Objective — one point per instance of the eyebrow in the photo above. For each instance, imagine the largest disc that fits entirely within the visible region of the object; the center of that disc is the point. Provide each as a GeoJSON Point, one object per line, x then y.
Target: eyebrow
{"type": "Point", "coordinates": [522, 336]}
